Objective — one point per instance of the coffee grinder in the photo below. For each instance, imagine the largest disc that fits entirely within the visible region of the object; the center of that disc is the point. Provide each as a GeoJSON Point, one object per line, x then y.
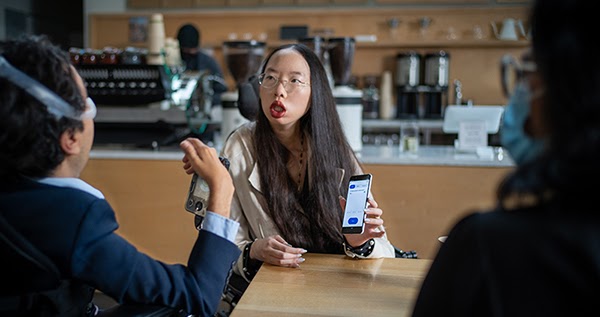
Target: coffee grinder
{"type": "Point", "coordinates": [243, 59]}
{"type": "Point", "coordinates": [435, 98]}
{"type": "Point", "coordinates": [408, 72]}
{"type": "Point", "coordinates": [319, 45]}
{"type": "Point", "coordinates": [348, 99]}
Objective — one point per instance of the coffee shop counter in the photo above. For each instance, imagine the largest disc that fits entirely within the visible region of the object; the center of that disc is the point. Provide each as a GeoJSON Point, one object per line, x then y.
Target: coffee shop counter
{"type": "Point", "coordinates": [370, 154]}
{"type": "Point", "coordinates": [421, 195]}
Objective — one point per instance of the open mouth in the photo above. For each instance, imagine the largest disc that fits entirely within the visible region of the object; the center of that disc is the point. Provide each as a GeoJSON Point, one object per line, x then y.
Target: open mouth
{"type": "Point", "coordinates": [277, 109]}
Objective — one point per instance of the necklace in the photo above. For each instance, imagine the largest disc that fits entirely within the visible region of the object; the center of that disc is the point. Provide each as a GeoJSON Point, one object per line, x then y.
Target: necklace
{"type": "Point", "coordinates": [301, 161]}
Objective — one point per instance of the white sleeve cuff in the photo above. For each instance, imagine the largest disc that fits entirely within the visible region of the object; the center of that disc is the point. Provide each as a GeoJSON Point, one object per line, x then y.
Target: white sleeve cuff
{"type": "Point", "coordinates": [221, 226]}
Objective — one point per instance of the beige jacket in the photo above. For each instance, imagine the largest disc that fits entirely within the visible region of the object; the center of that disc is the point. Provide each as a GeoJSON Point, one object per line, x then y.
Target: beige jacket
{"type": "Point", "coordinates": [249, 206]}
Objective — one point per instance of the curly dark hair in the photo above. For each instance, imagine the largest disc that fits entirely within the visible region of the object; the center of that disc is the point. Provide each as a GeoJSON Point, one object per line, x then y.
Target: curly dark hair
{"type": "Point", "coordinates": [317, 227]}
{"type": "Point", "coordinates": [29, 134]}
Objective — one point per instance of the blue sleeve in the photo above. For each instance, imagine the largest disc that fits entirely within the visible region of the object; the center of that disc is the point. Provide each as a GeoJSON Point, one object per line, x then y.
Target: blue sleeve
{"type": "Point", "coordinates": [112, 265]}
{"type": "Point", "coordinates": [221, 226]}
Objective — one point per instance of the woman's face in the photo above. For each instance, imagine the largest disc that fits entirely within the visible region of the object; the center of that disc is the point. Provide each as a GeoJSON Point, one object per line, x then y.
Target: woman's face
{"type": "Point", "coordinates": [284, 106]}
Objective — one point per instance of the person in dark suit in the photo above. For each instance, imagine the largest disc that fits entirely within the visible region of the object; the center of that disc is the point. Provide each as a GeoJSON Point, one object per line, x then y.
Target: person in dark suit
{"type": "Point", "coordinates": [538, 252]}
{"type": "Point", "coordinates": [46, 134]}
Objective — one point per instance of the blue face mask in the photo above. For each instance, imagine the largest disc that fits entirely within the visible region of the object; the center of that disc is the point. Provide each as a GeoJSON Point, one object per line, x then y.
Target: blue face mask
{"type": "Point", "coordinates": [521, 147]}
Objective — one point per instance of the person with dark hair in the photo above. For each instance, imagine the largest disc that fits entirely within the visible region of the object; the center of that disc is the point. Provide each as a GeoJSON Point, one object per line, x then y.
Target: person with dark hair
{"type": "Point", "coordinates": [46, 134]}
{"type": "Point", "coordinates": [537, 253]}
{"type": "Point", "coordinates": [194, 58]}
{"type": "Point", "coordinates": [290, 168]}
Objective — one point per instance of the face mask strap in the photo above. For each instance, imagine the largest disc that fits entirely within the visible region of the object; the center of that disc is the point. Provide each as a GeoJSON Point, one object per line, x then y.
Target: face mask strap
{"type": "Point", "coordinates": [55, 105]}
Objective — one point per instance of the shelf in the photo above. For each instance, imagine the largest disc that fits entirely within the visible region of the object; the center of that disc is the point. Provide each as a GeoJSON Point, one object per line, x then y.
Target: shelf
{"type": "Point", "coordinates": [443, 43]}
{"type": "Point", "coordinates": [377, 124]}
{"type": "Point", "coordinates": [488, 43]}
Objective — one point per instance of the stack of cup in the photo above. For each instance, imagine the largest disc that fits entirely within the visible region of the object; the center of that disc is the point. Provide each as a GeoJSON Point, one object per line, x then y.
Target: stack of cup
{"type": "Point", "coordinates": [156, 40]}
{"type": "Point", "coordinates": [173, 56]}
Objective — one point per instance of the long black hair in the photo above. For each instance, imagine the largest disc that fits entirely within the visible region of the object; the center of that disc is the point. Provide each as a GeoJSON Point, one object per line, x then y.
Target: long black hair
{"type": "Point", "coordinates": [29, 134]}
{"type": "Point", "coordinates": [568, 172]}
{"type": "Point", "coordinates": [312, 218]}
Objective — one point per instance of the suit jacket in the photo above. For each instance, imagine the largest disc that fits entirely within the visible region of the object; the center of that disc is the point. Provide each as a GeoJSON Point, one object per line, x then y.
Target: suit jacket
{"type": "Point", "coordinates": [249, 206]}
{"type": "Point", "coordinates": [76, 230]}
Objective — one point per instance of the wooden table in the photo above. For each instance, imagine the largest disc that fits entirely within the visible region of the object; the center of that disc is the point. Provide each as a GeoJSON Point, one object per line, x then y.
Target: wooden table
{"type": "Point", "coordinates": [335, 285]}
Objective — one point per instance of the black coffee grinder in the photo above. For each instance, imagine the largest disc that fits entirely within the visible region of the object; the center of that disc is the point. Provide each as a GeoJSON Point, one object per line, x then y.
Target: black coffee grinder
{"type": "Point", "coordinates": [243, 59]}
{"type": "Point", "coordinates": [435, 97]}
{"type": "Point", "coordinates": [348, 98]}
{"type": "Point", "coordinates": [408, 72]}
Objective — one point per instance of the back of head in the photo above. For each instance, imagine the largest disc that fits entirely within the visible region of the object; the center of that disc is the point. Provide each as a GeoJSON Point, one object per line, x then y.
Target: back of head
{"type": "Point", "coordinates": [29, 134]}
{"type": "Point", "coordinates": [188, 36]}
{"type": "Point", "coordinates": [563, 41]}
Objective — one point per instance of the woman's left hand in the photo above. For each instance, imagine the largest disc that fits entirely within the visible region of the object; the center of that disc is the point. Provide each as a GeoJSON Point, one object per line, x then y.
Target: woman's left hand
{"type": "Point", "coordinates": [373, 224]}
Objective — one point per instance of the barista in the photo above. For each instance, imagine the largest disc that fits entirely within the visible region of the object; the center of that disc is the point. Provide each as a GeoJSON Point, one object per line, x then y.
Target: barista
{"type": "Point", "coordinates": [195, 59]}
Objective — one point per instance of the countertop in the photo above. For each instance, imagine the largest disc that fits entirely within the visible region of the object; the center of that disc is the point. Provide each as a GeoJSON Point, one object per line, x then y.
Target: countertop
{"type": "Point", "coordinates": [434, 155]}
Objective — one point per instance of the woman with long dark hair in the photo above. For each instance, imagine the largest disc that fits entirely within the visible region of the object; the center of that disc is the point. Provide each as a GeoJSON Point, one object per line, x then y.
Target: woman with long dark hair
{"type": "Point", "coordinates": [290, 168]}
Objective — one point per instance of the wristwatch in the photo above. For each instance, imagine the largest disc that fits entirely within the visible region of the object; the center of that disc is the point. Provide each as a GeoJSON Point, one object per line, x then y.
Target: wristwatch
{"type": "Point", "coordinates": [362, 251]}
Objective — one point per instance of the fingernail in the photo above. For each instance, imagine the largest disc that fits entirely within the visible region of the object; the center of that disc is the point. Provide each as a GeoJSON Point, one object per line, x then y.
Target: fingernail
{"type": "Point", "coordinates": [303, 251]}
{"type": "Point", "coordinates": [300, 260]}
{"type": "Point", "coordinates": [368, 220]}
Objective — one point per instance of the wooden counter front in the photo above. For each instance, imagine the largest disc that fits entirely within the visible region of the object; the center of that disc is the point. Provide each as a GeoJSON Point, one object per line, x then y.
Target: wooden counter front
{"type": "Point", "coordinates": [420, 203]}
{"type": "Point", "coordinates": [335, 285]}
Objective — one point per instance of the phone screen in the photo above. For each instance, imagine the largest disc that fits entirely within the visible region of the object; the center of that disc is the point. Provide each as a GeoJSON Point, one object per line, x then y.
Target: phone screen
{"type": "Point", "coordinates": [356, 202]}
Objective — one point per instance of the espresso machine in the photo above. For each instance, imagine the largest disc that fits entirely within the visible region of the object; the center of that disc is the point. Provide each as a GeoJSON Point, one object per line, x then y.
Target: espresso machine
{"type": "Point", "coordinates": [243, 59]}
{"type": "Point", "coordinates": [408, 71]}
{"type": "Point", "coordinates": [348, 99]}
{"type": "Point", "coordinates": [435, 97]}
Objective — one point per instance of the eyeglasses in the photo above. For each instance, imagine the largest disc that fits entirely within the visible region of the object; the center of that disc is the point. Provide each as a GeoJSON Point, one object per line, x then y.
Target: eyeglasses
{"type": "Point", "coordinates": [269, 81]}
{"type": "Point", "coordinates": [91, 111]}
{"type": "Point", "coordinates": [512, 72]}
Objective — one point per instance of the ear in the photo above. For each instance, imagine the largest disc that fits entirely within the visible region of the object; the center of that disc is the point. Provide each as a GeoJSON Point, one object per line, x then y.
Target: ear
{"type": "Point", "coordinates": [70, 142]}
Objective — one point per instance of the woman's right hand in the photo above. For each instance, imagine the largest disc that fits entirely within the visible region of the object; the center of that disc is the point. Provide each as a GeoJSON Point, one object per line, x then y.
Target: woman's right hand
{"type": "Point", "coordinates": [275, 250]}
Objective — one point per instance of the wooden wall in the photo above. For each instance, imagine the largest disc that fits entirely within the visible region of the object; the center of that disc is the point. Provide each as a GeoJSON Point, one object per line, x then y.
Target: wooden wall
{"type": "Point", "coordinates": [420, 203]}
{"type": "Point", "coordinates": [473, 61]}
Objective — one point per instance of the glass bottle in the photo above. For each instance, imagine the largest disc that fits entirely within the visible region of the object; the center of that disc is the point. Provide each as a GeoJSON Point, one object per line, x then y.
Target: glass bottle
{"type": "Point", "coordinates": [370, 98]}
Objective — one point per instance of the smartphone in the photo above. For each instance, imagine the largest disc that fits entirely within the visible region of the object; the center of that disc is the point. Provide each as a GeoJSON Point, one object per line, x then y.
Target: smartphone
{"type": "Point", "coordinates": [356, 202]}
{"type": "Point", "coordinates": [197, 199]}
